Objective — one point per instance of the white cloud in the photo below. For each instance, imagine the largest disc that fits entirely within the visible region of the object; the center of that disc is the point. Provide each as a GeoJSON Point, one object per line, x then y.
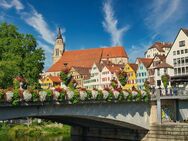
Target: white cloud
{"type": "Point", "coordinates": [162, 12]}
{"type": "Point", "coordinates": [110, 24]}
{"type": "Point", "coordinates": [10, 4]}
{"type": "Point", "coordinates": [166, 17]}
{"type": "Point", "coordinates": [37, 21]}
{"type": "Point", "coordinates": [138, 50]}
{"type": "Point", "coordinates": [47, 48]}
{"type": "Point", "coordinates": [48, 53]}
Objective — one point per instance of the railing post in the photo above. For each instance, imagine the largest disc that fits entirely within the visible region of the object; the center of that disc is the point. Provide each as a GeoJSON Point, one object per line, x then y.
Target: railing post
{"type": "Point", "coordinates": [158, 106]}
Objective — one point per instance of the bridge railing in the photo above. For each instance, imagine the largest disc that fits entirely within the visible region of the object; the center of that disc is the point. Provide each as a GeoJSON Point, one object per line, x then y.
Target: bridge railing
{"type": "Point", "coordinates": [71, 97]}
{"type": "Point", "coordinates": [171, 92]}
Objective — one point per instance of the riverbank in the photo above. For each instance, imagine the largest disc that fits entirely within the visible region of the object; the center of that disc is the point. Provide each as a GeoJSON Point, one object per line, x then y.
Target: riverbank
{"type": "Point", "coordinates": [13, 131]}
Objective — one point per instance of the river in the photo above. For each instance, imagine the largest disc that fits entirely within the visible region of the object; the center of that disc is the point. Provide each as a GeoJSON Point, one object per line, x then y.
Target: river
{"type": "Point", "coordinates": [54, 138]}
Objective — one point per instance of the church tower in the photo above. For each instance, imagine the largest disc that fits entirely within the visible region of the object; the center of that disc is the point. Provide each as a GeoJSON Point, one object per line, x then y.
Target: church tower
{"type": "Point", "coordinates": [59, 47]}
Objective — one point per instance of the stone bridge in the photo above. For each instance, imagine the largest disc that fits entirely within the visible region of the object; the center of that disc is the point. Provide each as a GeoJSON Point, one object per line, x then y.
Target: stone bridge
{"type": "Point", "coordinates": [132, 115]}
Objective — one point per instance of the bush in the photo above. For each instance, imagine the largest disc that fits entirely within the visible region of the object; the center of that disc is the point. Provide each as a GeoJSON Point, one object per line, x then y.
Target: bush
{"type": "Point", "coordinates": [49, 95]}
{"type": "Point", "coordinates": [35, 97]}
{"type": "Point", "coordinates": [121, 97]}
{"type": "Point", "coordinates": [110, 96]}
{"type": "Point", "coordinates": [16, 98]}
{"type": "Point", "coordinates": [89, 95]}
{"type": "Point", "coordinates": [62, 96]}
{"type": "Point", "coordinates": [99, 96]}
{"type": "Point", "coordinates": [75, 98]}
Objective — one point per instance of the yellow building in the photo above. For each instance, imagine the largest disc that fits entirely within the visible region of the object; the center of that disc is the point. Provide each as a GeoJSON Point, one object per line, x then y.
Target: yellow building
{"type": "Point", "coordinates": [130, 69]}
{"type": "Point", "coordinates": [50, 82]}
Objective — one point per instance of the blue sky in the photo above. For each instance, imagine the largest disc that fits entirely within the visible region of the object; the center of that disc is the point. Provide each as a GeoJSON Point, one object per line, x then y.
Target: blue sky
{"type": "Point", "coordinates": [97, 23]}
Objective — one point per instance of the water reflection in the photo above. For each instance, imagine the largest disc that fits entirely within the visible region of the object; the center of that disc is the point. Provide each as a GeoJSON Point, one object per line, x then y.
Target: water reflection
{"type": "Point", "coordinates": [56, 138]}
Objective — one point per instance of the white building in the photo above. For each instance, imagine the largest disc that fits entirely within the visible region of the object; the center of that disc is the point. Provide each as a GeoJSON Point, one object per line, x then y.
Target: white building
{"type": "Point", "coordinates": [178, 58]}
{"type": "Point", "coordinates": [158, 48]}
{"type": "Point", "coordinates": [101, 76]}
{"type": "Point", "coordinates": [161, 69]}
{"type": "Point", "coordinates": [95, 77]}
{"type": "Point", "coordinates": [109, 73]}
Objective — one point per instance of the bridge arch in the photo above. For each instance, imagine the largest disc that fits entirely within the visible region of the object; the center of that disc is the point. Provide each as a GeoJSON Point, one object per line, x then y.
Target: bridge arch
{"type": "Point", "coordinates": [128, 115]}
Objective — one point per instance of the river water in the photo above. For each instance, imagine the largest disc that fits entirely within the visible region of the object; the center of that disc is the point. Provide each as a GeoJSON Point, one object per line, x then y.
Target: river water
{"type": "Point", "coordinates": [56, 138]}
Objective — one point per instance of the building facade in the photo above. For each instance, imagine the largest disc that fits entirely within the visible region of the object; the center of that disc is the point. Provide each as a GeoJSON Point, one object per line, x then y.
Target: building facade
{"type": "Point", "coordinates": [158, 48]}
{"type": "Point", "coordinates": [178, 58]}
{"type": "Point", "coordinates": [130, 69]}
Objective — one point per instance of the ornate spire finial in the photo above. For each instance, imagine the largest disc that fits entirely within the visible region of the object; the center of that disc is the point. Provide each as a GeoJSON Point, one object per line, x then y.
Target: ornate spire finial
{"type": "Point", "coordinates": [59, 36]}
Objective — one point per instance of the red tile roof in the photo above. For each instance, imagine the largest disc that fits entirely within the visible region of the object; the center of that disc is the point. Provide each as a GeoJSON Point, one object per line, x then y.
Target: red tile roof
{"type": "Point", "coordinates": [185, 31]}
{"type": "Point", "coordinates": [145, 61]}
{"type": "Point", "coordinates": [133, 66]}
{"type": "Point", "coordinates": [86, 58]}
{"type": "Point", "coordinates": [163, 65]}
{"type": "Point", "coordinates": [82, 71]}
{"type": "Point", "coordinates": [113, 69]}
{"type": "Point", "coordinates": [160, 45]}
{"type": "Point", "coordinates": [56, 79]}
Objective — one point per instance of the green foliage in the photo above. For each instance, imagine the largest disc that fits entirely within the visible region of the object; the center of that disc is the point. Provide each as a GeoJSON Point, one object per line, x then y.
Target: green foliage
{"type": "Point", "coordinates": [1, 94]}
{"type": "Point", "coordinates": [122, 76]}
{"type": "Point", "coordinates": [146, 98]}
{"type": "Point", "coordinates": [62, 96]}
{"type": "Point", "coordinates": [147, 86]}
{"type": "Point", "coordinates": [16, 98]}
{"type": "Point", "coordinates": [19, 56]}
{"type": "Point", "coordinates": [89, 95]}
{"type": "Point", "coordinates": [110, 96]}
{"type": "Point", "coordinates": [121, 97]}
{"type": "Point", "coordinates": [75, 99]}
{"type": "Point", "coordinates": [49, 95]}
{"type": "Point", "coordinates": [16, 84]}
{"type": "Point", "coordinates": [99, 96]}
{"type": "Point", "coordinates": [165, 79]}
{"type": "Point", "coordinates": [35, 97]}
{"type": "Point", "coordinates": [114, 84]}
{"type": "Point", "coordinates": [129, 97]}
{"type": "Point", "coordinates": [138, 96]}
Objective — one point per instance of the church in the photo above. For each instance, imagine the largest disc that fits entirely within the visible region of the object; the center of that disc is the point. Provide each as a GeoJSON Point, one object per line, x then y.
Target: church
{"type": "Point", "coordinates": [83, 58]}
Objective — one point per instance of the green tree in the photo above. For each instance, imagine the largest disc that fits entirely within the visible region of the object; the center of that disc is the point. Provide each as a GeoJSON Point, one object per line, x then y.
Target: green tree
{"type": "Point", "coordinates": [165, 79]}
{"type": "Point", "coordinates": [19, 56]}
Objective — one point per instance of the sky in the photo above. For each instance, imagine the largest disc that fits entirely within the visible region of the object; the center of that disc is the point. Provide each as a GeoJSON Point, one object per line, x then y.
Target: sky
{"type": "Point", "coordinates": [134, 24]}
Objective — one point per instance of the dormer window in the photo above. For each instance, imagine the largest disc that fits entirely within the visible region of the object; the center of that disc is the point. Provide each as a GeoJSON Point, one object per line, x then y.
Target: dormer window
{"type": "Point", "coordinates": [181, 43]}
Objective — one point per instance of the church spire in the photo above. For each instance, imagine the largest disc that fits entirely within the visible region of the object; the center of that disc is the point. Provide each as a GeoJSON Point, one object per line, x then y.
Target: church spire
{"type": "Point", "coordinates": [59, 35]}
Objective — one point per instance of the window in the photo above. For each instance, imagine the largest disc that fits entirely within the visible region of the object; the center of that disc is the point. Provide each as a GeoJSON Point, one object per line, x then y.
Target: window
{"type": "Point", "coordinates": [57, 52]}
{"type": "Point", "coordinates": [186, 60]}
{"type": "Point", "coordinates": [179, 70]}
{"type": "Point", "coordinates": [174, 52]}
{"type": "Point", "coordinates": [174, 62]}
{"type": "Point", "coordinates": [158, 72]}
{"type": "Point", "coordinates": [181, 43]}
{"type": "Point", "coordinates": [165, 71]}
{"type": "Point", "coordinates": [178, 61]}
{"type": "Point", "coordinates": [186, 70]}
{"type": "Point", "coordinates": [183, 70]}
{"type": "Point", "coordinates": [182, 61]}
{"type": "Point", "coordinates": [175, 71]}
{"type": "Point", "coordinates": [178, 52]}
{"type": "Point", "coordinates": [182, 51]}
{"type": "Point", "coordinates": [186, 50]}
